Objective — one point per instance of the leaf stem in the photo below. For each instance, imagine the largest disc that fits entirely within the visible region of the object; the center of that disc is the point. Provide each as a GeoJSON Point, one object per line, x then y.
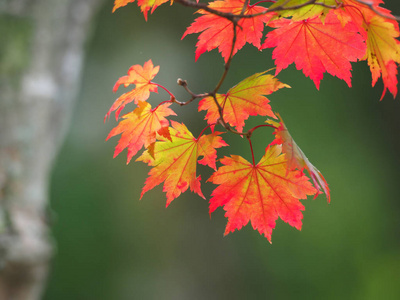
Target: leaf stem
{"type": "Point", "coordinates": [161, 103]}
{"type": "Point", "coordinates": [250, 132]}
{"type": "Point", "coordinates": [252, 152]}
{"type": "Point", "coordinates": [165, 89]}
{"type": "Point", "coordinates": [262, 1]}
{"type": "Point", "coordinates": [208, 126]}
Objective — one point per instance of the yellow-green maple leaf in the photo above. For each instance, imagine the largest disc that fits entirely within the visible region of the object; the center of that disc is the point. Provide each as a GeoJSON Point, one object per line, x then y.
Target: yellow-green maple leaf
{"type": "Point", "coordinates": [175, 161]}
{"type": "Point", "coordinates": [383, 52]}
{"type": "Point", "coordinates": [243, 100]}
{"type": "Point", "coordinates": [302, 13]}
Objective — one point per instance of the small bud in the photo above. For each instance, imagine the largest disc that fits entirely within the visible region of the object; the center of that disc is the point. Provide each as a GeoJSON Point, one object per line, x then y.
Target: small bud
{"type": "Point", "coordinates": [181, 82]}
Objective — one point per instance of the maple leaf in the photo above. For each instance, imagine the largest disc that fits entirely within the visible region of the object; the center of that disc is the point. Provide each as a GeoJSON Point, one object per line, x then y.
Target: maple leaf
{"type": "Point", "coordinates": [139, 128]}
{"type": "Point", "coordinates": [316, 47]}
{"type": "Point", "coordinates": [145, 5]}
{"type": "Point", "coordinates": [175, 160]}
{"type": "Point", "coordinates": [302, 12]}
{"type": "Point", "coordinates": [363, 9]}
{"type": "Point", "coordinates": [141, 77]}
{"type": "Point", "coordinates": [383, 49]}
{"type": "Point", "coordinates": [260, 193]}
{"type": "Point", "coordinates": [296, 159]}
{"type": "Point", "coordinates": [217, 32]}
{"type": "Point", "coordinates": [120, 3]}
{"type": "Point", "coordinates": [244, 99]}
{"type": "Point", "coordinates": [383, 52]}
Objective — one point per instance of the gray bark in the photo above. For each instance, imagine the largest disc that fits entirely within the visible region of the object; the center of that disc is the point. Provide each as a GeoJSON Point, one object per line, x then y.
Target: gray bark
{"type": "Point", "coordinates": [41, 54]}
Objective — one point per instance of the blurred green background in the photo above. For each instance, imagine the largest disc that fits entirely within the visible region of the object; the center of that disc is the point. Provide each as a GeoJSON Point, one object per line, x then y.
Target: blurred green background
{"type": "Point", "coordinates": [113, 246]}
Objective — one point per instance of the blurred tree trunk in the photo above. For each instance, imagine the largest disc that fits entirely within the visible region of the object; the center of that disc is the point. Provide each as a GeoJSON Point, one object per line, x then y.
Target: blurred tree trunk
{"type": "Point", "coordinates": [41, 54]}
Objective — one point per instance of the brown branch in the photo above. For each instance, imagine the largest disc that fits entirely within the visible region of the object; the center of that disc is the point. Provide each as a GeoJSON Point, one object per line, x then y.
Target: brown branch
{"type": "Point", "coordinates": [231, 16]}
{"type": "Point", "coordinates": [227, 67]}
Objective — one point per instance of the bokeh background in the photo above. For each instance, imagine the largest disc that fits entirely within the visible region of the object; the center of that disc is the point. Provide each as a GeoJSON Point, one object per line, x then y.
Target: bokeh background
{"type": "Point", "coordinates": [110, 245]}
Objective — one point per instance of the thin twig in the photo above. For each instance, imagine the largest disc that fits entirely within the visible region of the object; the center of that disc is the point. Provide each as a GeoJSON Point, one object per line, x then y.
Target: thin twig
{"type": "Point", "coordinates": [183, 83]}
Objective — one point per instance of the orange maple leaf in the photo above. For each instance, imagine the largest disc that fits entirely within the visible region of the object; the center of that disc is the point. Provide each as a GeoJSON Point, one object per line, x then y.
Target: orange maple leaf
{"type": "Point", "coordinates": [175, 161]}
{"type": "Point", "coordinates": [296, 159]}
{"type": "Point", "coordinates": [260, 193]}
{"type": "Point", "coordinates": [217, 32]}
{"type": "Point", "coordinates": [145, 5]}
{"type": "Point", "coordinates": [141, 77]}
{"type": "Point", "coordinates": [380, 34]}
{"type": "Point", "coordinates": [140, 126]}
{"type": "Point", "coordinates": [353, 10]}
{"type": "Point", "coordinates": [121, 3]}
{"type": "Point", "coordinates": [244, 99]}
{"type": "Point", "coordinates": [316, 47]}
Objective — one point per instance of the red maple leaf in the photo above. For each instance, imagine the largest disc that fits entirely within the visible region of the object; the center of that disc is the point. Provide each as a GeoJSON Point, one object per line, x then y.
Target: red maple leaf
{"type": "Point", "coordinates": [260, 193]}
{"type": "Point", "coordinates": [141, 77]}
{"type": "Point", "coordinates": [316, 47]}
{"type": "Point", "coordinates": [217, 32]}
{"type": "Point", "coordinates": [140, 126]}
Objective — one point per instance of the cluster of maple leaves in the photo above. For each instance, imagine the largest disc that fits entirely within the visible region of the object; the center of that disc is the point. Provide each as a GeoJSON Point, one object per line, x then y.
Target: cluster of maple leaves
{"type": "Point", "coordinates": [319, 37]}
